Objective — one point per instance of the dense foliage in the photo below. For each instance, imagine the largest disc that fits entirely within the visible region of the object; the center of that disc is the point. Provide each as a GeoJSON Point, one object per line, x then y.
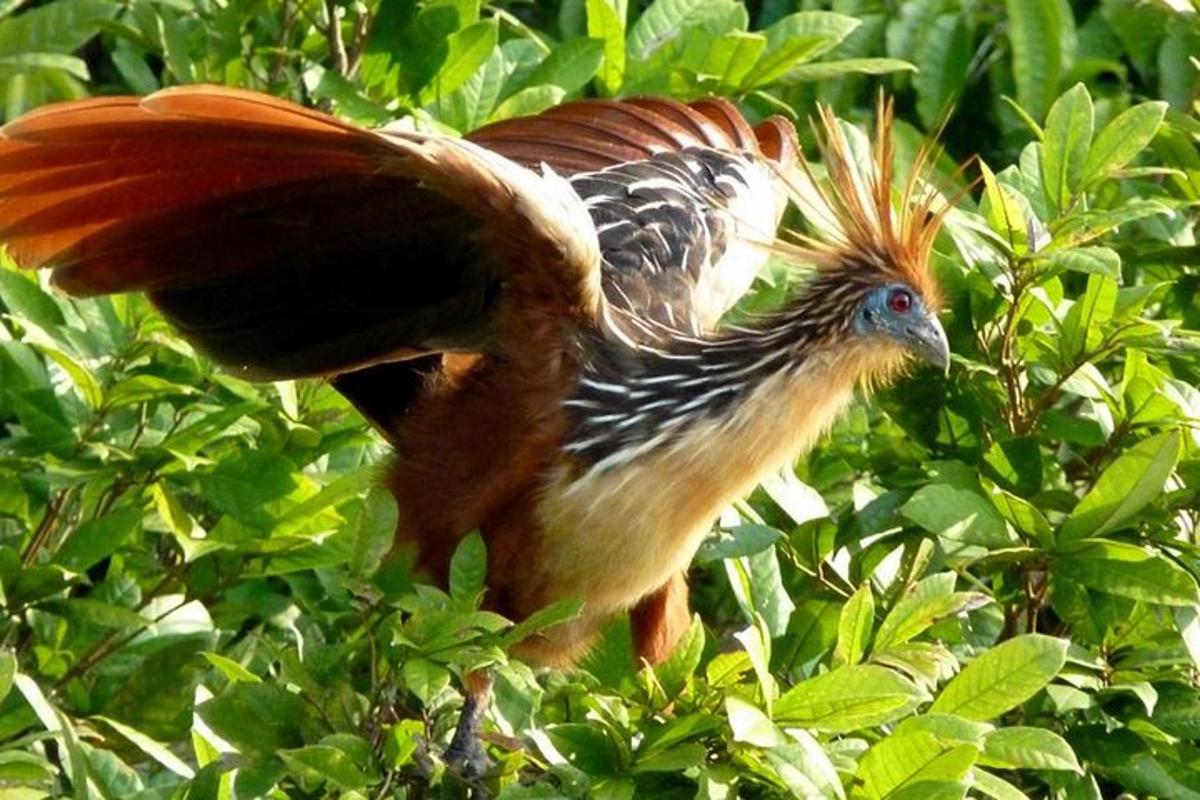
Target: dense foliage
{"type": "Point", "coordinates": [983, 584]}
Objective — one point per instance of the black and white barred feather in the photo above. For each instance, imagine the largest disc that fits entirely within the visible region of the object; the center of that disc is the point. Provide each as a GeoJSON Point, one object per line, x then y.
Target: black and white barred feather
{"type": "Point", "coordinates": [681, 234]}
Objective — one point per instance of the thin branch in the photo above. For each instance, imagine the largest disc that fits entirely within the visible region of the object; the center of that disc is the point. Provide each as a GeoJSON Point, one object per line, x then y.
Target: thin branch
{"type": "Point", "coordinates": [337, 45]}
{"type": "Point", "coordinates": [45, 527]}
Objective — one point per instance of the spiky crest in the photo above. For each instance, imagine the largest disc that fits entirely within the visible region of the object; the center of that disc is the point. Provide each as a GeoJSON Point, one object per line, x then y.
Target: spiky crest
{"type": "Point", "coordinates": [858, 222]}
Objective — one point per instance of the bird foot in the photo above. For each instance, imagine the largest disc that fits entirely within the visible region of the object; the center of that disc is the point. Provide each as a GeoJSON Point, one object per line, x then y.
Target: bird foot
{"type": "Point", "coordinates": [468, 759]}
{"type": "Point", "coordinates": [466, 755]}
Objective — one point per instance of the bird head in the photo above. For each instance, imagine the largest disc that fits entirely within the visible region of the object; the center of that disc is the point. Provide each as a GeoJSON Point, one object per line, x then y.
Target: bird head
{"type": "Point", "coordinates": [870, 240]}
{"type": "Point", "coordinates": [898, 314]}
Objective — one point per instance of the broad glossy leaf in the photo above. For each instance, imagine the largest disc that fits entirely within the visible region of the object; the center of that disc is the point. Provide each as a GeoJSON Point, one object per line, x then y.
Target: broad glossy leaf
{"type": "Point", "coordinates": [958, 514]}
{"type": "Point", "coordinates": [1084, 325]}
{"type": "Point", "coordinates": [1066, 144]}
{"type": "Point", "coordinates": [605, 24]}
{"type": "Point", "coordinates": [1035, 33]}
{"type": "Point", "coordinates": [1135, 479]}
{"type": "Point", "coordinates": [994, 786]}
{"type": "Point", "coordinates": [8, 670]}
{"type": "Point", "coordinates": [749, 724]}
{"type": "Point", "coordinates": [805, 768]}
{"type": "Point", "coordinates": [99, 538]}
{"type": "Point", "coordinates": [467, 50]}
{"type": "Point", "coordinates": [942, 64]}
{"type": "Point", "coordinates": [328, 763]}
{"type": "Point", "coordinates": [848, 698]}
{"type": "Point", "coordinates": [1122, 139]}
{"type": "Point", "coordinates": [674, 673]}
{"type": "Point", "coordinates": [855, 625]}
{"type": "Point", "coordinates": [571, 65]}
{"type": "Point", "coordinates": [530, 100]}
{"type": "Point", "coordinates": [258, 718]}
{"type": "Point", "coordinates": [155, 749]}
{"type": "Point", "coordinates": [1127, 570]}
{"type": "Point", "coordinates": [1027, 748]}
{"type": "Point", "coordinates": [1003, 677]}
{"type": "Point", "coordinates": [468, 570]}
{"type": "Point", "coordinates": [795, 39]}
{"type": "Point", "coordinates": [1092, 260]}
{"type": "Point", "coordinates": [831, 70]}
{"type": "Point", "coordinates": [905, 761]}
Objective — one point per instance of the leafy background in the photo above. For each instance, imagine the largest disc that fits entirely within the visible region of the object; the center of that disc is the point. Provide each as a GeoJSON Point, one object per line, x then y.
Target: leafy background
{"type": "Point", "coordinates": [982, 584]}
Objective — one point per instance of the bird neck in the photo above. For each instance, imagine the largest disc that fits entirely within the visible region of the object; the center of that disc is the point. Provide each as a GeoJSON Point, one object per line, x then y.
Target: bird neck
{"type": "Point", "coordinates": [634, 400]}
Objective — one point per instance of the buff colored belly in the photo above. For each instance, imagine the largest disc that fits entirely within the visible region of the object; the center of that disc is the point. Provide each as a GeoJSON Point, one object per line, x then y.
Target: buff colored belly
{"type": "Point", "coordinates": [612, 538]}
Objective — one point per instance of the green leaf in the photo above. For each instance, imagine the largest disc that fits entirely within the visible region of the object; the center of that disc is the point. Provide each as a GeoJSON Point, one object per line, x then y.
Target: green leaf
{"type": "Point", "coordinates": [831, 70]}
{"type": "Point", "coordinates": [144, 388]}
{"type": "Point", "coordinates": [605, 24]}
{"type": "Point", "coordinates": [95, 612]}
{"type": "Point", "coordinates": [244, 483]}
{"type": "Point", "coordinates": [1123, 139]}
{"type": "Point", "coordinates": [468, 570]}
{"type": "Point", "coordinates": [1066, 144]}
{"type": "Point", "coordinates": [749, 724]}
{"type": "Point", "coordinates": [8, 670]}
{"type": "Point", "coordinates": [1004, 210]}
{"type": "Point", "coordinates": [1090, 260]}
{"type": "Point", "coordinates": [995, 787]}
{"type": "Point", "coordinates": [674, 673]}
{"type": "Point", "coordinates": [848, 698]}
{"type": "Point", "coordinates": [662, 22]}
{"type": "Point", "coordinates": [59, 27]}
{"type": "Point", "coordinates": [1083, 326]}
{"type": "Point", "coordinates": [855, 624]}
{"type": "Point", "coordinates": [260, 719]}
{"type": "Point", "coordinates": [1003, 677]}
{"type": "Point", "coordinates": [543, 619]}
{"type": "Point", "coordinates": [1027, 748]}
{"type": "Point", "coordinates": [742, 540]}
{"type": "Point", "coordinates": [1035, 30]}
{"type": "Point", "coordinates": [467, 50]}
{"type": "Point", "coordinates": [757, 583]}
{"type": "Point", "coordinates": [805, 768]}
{"type": "Point", "coordinates": [530, 100]}
{"type": "Point", "coordinates": [958, 514]}
{"type": "Point", "coordinates": [155, 749]}
{"type": "Point", "coordinates": [85, 382]}
{"type": "Point", "coordinates": [904, 761]}
{"type": "Point", "coordinates": [24, 298]}
{"type": "Point", "coordinates": [1133, 481]}
{"type": "Point", "coordinates": [572, 64]}
{"type": "Point", "coordinates": [942, 65]}
{"type": "Point", "coordinates": [376, 531]}
{"type": "Point", "coordinates": [99, 538]}
{"type": "Point", "coordinates": [231, 669]}
{"type": "Point", "coordinates": [795, 39]}
{"type": "Point", "coordinates": [919, 611]}
{"type": "Point", "coordinates": [327, 763]}
{"type": "Point", "coordinates": [425, 679]}
{"type": "Point", "coordinates": [1127, 570]}
{"type": "Point", "coordinates": [730, 58]}
{"type": "Point", "coordinates": [37, 62]}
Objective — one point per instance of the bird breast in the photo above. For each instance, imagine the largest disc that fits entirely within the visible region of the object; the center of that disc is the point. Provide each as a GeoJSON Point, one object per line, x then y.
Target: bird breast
{"type": "Point", "coordinates": [613, 535]}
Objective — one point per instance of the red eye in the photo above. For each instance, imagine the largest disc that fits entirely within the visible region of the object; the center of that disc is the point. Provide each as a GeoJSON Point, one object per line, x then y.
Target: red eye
{"type": "Point", "coordinates": [900, 301]}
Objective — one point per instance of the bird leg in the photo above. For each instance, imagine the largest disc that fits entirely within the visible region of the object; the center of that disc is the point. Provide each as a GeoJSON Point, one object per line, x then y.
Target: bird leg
{"type": "Point", "coordinates": [465, 754]}
{"type": "Point", "coordinates": [659, 620]}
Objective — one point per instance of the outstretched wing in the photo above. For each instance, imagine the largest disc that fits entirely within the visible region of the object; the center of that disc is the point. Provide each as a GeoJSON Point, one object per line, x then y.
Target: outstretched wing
{"type": "Point", "coordinates": [285, 242]}
{"type": "Point", "coordinates": [683, 197]}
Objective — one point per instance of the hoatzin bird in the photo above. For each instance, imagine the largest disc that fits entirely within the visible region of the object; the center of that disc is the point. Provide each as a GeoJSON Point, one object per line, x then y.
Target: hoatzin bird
{"type": "Point", "coordinates": [530, 315]}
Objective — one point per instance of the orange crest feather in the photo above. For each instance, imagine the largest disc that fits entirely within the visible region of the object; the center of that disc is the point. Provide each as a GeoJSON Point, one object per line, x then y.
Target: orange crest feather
{"type": "Point", "coordinates": [853, 210]}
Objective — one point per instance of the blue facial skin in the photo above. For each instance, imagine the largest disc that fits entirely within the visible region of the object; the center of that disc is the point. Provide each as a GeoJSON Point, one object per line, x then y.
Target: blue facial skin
{"type": "Point", "coordinates": [914, 328]}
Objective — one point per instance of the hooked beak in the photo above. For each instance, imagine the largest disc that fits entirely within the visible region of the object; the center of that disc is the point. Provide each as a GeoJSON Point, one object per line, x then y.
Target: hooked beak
{"type": "Point", "coordinates": [927, 340]}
